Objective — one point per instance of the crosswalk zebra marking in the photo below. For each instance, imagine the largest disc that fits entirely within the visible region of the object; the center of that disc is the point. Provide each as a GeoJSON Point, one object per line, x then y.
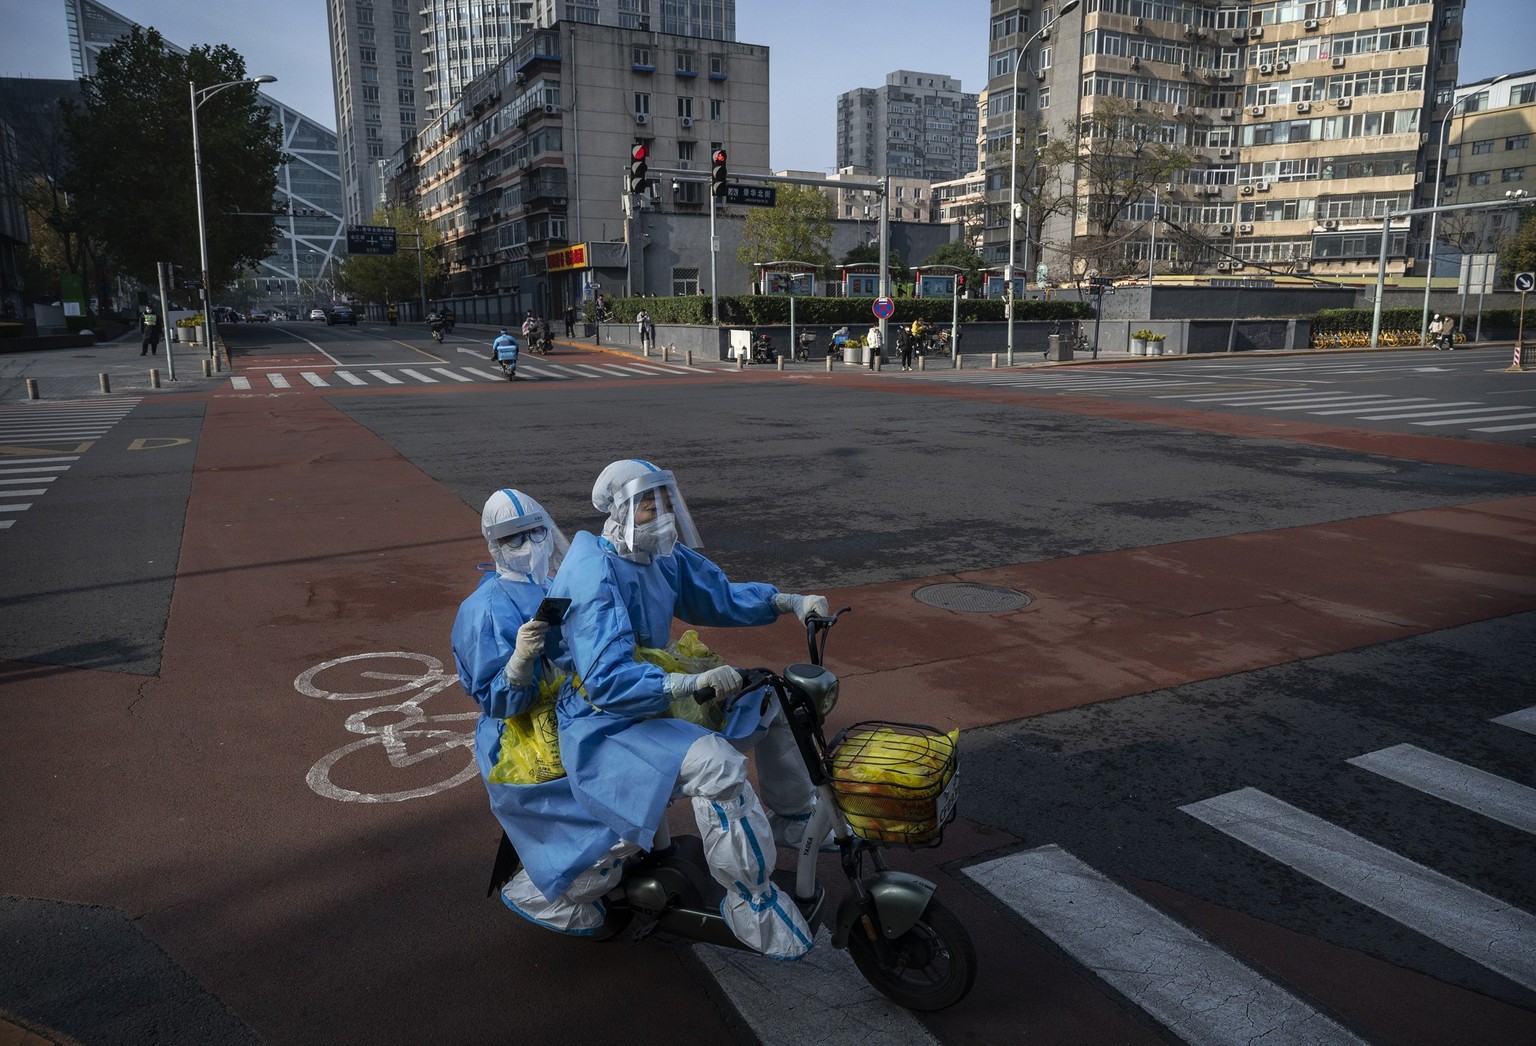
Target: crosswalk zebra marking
{"type": "Point", "coordinates": [419, 376]}
{"type": "Point", "coordinates": [1458, 421]}
{"type": "Point", "coordinates": [450, 374]}
{"type": "Point", "coordinates": [277, 381]}
{"type": "Point", "coordinates": [1429, 410]}
{"type": "Point", "coordinates": [1506, 428]}
{"type": "Point", "coordinates": [1199, 992]}
{"type": "Point", "coordinates": [237, 382]}
{"type": "Point", "coordinates": [1466, 786]}
{"type": "Point", "coordinates": [1490, 932]}
{"type": "Point", "coordinates": [386, 377]}
{"type": "Point", "coordinates": [314, 379]}
{"type": "Point", "coordinates": [1383, 403]}
{"type": "Point", "coordinates": [1525, 720]}
{"type": "Point", "coordinates": [348, 377]}
{"type": "Point", "coordinates": [485, 374]}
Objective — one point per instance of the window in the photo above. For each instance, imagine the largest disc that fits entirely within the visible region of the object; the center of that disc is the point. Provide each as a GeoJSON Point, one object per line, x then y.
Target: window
{"type": "Point", "coordinates": [1045, 58]}
{"type": "Point", "coordinates": [716, 109]}
{"type": "Point", "coordinates": [1512, 174]}
{"type": "Point", "coordinates": [717, 66]}
{"type": "Point", "coordinates": [685, 281]}
{"type": "Point", "coordinates": [643, 102]}
{"type": "Point", "coordinates": [1045, 97]}
{"type": "Point", "coordinates": [1482, 147]}
{"type": "Point", "coordinates": [1519, 141]}
{"type": "Point", "coordinates": [1479, 178]}
{"type": "Point", "coordinates": [684, 107]}
{"type": "Point", "coordinates": [685, 62]}
{"type": "Point", "coordinates": [641, 56]}
{"type": "Point", "coordinates": [1525, 94]}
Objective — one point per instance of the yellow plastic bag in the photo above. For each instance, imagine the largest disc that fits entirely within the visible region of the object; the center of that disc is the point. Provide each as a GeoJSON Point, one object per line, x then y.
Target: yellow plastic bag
{"type": "Point", "coordinates": [690, 655]}
{"type": "Point", "coordinates": [530, 742]}
{"type": "Point", "coordinates": [896, 785]}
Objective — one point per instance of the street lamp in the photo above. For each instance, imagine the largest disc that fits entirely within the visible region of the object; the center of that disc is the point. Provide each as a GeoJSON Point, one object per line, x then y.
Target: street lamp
{"type": "Point", "coordinates": [198, 97]}
{"type": "Point", "coordinates": [1013, 162]}
{"type": "Point", "coordinates": [1434, 216]}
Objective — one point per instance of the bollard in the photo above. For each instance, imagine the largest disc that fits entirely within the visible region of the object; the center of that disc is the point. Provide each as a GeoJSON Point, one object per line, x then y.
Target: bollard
{"type": "Point", "coordinates": [32, 389]}
{"type": "Point", "coordinates": [994, 361]}
{"type": "Point", "coordinates": [922, 363]}
{"type": "Point", "coordinates": [829, 364]}
{"type": "Point", "coordinates": [779, 360]}
{"type": "Point", "coordinates": [689, 354]}
{"type": "Point", "coordinates": [741, 363]}
{"type": "Point", "coordinates": [154, 377]}
{"type": "Point", "coordinates": [666, 353]}
{"type": "Point", "coordinates": [105, 381]}
{"type": "Point", "coordinates": [207, 368]}
{"type": "Point", "coordinates": [879, 363]}
{"type": "Point", "coordinates": [957, 361]}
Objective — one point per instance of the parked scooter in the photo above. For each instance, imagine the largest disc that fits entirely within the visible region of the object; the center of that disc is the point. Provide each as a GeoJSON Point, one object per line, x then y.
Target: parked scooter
{"type": "Point", "coordinates": [762, 348]}
{"type": "Point", "coordinates": [905, 943]}
{"type": "Point", "coordinates": [803, 352]}
{"type": "Point", "coordinates": [835, 346]}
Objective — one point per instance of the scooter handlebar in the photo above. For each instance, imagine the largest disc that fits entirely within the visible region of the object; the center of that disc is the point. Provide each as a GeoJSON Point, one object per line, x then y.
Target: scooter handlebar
{"type": "Point", "coordinates": [751, 679]}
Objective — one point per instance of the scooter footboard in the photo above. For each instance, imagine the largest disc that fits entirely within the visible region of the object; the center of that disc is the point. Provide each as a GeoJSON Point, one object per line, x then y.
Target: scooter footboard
{"type": "Point", "coordinates": [898, 898]}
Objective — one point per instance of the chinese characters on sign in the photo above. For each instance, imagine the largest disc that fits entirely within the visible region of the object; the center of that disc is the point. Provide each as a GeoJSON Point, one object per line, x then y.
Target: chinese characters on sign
{"type": "Point", "coordinates": [751, 195]}
{"type": "Point", "coordinates": [370, 239]}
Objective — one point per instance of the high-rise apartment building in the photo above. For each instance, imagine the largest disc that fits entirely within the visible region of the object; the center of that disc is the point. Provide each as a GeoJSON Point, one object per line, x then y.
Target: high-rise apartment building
{"type": "Point", "coordinates": [398, 65]}
{"type": "Point", "coordinates": [1488, 154]}
{"type": "Point", "coordinates": [1308, 121]}
{"type": "Point", "coordinates": [918, 125]}
{"type": "Point", "coordinates": [310, 235]}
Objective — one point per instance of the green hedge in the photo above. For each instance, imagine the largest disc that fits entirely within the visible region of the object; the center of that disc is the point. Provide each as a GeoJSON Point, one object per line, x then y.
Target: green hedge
{"type": "Point", "coordinates": [1361, 319]}
{"type": "Point", "coordinates": [750, 310]}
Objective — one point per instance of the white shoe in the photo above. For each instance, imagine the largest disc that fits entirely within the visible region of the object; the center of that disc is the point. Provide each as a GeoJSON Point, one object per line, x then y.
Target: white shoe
{"type": "Point", "coordinates": [561, 915]}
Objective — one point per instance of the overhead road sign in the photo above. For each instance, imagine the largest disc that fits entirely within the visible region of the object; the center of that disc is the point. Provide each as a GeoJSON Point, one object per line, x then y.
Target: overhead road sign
{"type": "Point", "coordinates": [751, 195]}
{"type": "Point", "coordinates": [370, 239]}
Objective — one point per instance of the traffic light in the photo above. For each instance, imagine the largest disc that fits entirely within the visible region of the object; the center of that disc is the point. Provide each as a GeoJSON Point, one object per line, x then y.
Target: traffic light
{"type": "Point", "coordinates": [717, 174]}
{"type": "Point", "coordinates": [960, 285]}
{"type": "Point", "coordinates": [636, 179]}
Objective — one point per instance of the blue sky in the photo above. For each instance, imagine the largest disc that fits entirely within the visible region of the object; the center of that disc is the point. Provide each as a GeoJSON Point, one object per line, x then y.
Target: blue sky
{"type": "Point", "coordinates": [819, 49]}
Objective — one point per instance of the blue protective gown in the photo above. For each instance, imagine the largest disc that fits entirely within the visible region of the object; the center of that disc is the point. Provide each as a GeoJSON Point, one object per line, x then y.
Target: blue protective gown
{"type": "Point", "coordinates": [622, 763]}
{"type": "Point", "coordinates": [555, 836]}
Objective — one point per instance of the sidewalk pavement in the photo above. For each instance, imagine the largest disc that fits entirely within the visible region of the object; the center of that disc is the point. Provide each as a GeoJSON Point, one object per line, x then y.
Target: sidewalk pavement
{"type": "Point", "coordinates": [75, 374]}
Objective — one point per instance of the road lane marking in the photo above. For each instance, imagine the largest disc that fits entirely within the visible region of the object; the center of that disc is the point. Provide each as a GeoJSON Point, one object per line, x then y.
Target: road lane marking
{"type": "Point", "coordinates": [1373, 406]}
{"type": "Point", "coordinates": [425, 379]}
{"type": "Point", "coordinates": [40, 468]}
{"type": "Point", "coordinates": [277, 381]}
{"type": "Point", "coordinates": [486, 374]}
{"type": "Point", "coordinates": [314, 379]}
{"type": "Point", "coordinates": [348, 377]}
{"type": "Point", "coordinates": [820, 998]}
{"type": "Point", "coordinates": [1198, 991]}
{"type": "Point", "coordinates": [44, 461]}
{"type": "Point", "coordinates": [1525, 719]}
{"type": "Point", "coordinates": [28, 479]}
{"type": "Point", "coordinates": [455, 375]}
{"type": "Point", "coordinates": [1490, 932]}
{"type": "Point", "coordinates": [1506, 428]}
{"type": "Point", "coordinates": [20, 506]}
{"type": "Point", "coordinates": [1430, 410]}
{"type": "Point", "coordinates": [1358, 402]}
{"type": "Point", "coordinates": [1460, 421]}
{"type": "Point", "coordinates": [240, 383]}
{"type": "Point", "coordinates": [386, 377]}
{"type": "Point", "coordinates": [1466, 786]}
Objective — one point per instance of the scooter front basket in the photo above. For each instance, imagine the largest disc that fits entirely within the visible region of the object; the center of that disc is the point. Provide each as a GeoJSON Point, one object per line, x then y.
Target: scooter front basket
{"type": "Point", "coordinates": [896, 782]}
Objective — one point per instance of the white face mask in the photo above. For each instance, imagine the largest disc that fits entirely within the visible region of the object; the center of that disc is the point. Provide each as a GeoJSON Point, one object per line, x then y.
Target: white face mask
{"type": "Point", "coordinates": [658, 536]}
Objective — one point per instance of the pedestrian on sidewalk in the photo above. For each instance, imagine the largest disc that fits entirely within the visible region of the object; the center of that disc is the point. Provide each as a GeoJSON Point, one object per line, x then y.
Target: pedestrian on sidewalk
{"type": "Point", "coordinates": [904, 340]}
{"type": "Point", "coordinates": [149, 327]}
{"type": "Point", "coordinates": [570, 321]}
{"type": "Point", "coordinates": [872, 339]}
{"type": "Point", "coordinates": [647, 331]}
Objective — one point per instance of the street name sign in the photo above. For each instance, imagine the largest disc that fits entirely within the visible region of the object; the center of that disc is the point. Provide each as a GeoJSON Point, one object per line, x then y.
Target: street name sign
{"type": "Point", "coordinates": [752, 195]}
{"type": "Point", "coordinates": [370, 239]}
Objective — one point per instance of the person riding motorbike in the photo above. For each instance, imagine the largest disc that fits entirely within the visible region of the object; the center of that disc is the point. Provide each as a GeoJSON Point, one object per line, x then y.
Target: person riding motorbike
{"type": "Point", "coordinates": [394, 315]}
{"type": "Point", "coordinates": [504, 352]}
{"type": "Point", "coordinates": [449, 319]}
{"type": "Point", "coordinates": [497, 649]}
{"type": "Point", "coordinates": [544, 338]}
{"type": "Point", "coordinates": [806, 339]}
{"type": "Point", "coordinates": [435, 324]}
{"type": "Point", "coordinates": [626, 762]}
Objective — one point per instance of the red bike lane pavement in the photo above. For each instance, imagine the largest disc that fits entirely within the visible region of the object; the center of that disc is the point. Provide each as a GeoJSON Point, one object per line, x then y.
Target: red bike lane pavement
{"type": "Point", "coordinates": [183, 800]}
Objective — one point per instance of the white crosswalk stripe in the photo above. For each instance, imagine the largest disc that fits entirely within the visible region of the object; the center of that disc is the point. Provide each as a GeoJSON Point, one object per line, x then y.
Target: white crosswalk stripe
{"type": "Point", "coordinates": [542, 370]}
{"type": "Point", "coordinates": [1486, 930]}
{"type": "Point", "coordinates": [28, 431]}
{"type": "Point", "coordinates": [1466, 786]}
{"type": "Point", "coordinates": [1199, 992]}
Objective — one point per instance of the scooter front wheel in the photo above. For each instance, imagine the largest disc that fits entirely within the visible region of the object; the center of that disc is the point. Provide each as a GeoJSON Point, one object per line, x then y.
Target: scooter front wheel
{"type": "Point", "coordinates": [930, 967]}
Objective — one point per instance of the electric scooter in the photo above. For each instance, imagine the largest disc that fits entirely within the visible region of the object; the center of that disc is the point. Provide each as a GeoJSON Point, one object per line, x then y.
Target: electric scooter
{"type": "Point", "coordinates": [762, 348]}
{"type": "Point", "coordinates": [803, 353]}
{"type": "Point", "coordinates": [902, 939]}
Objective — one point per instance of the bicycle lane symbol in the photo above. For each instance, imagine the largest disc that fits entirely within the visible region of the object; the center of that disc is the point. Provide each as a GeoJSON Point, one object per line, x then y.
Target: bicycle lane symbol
{"type": "Point", "coordinates": [401, 735]}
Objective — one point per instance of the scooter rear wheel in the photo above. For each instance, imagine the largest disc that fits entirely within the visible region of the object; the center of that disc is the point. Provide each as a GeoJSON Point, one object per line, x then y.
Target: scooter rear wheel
{"type": "Point", "coordinates": [934, 963]}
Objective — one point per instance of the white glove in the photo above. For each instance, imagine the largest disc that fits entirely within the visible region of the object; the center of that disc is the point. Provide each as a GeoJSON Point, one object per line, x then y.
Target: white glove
{"type": "Point", "coordinates": [725, 679]}
{"type": "Point", "coordinates": [801, 606]}
{"type": "Point", "coordinates": [525, 655]}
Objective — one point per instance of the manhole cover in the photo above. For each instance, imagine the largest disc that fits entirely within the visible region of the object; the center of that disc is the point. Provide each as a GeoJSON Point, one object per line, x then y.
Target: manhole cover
{"type": "Point", "coordinates": [1359, 468]}
{"type": "Point", "coordinates": [969, 598]}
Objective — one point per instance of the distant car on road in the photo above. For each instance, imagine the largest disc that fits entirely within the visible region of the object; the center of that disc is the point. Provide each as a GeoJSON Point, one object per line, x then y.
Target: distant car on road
{"type": "Point", "coordinates": [341, 314]}
{"type": "Point", "coordinates": [257, 316]}
{"type": "Point", "coordinates": [317, 313]}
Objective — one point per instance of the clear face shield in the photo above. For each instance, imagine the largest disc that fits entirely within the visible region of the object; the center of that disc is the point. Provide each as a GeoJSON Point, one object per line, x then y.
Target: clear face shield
{"type": "Point", "coordinates": [523, 541]}
{"type": "Point", "coordinates": [652, 515]}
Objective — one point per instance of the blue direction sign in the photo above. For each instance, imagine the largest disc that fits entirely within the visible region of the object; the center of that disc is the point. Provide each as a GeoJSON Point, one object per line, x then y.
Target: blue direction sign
{"type": "Point", "coordinates": [370, 239]}
{"type": "Point", "coordinates": [884, 308]}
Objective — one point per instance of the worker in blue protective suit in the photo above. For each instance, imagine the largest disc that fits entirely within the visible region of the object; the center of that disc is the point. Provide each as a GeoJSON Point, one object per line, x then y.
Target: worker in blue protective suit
{"type": "Point", "coordinates": [626, 763]}
{"type": "Point", "coordinates": [569, 858]}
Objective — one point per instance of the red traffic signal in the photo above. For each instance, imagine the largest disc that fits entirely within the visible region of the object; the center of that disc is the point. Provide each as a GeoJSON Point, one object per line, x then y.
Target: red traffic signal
{"type": "Point", "coordinates": [717, 173]}
{"type": "Point", "coordinates": [960, 284]}
{"type": "Point", "coordinates": [634, 181]}
{"type": "Point", "coordinates": [639, 152]}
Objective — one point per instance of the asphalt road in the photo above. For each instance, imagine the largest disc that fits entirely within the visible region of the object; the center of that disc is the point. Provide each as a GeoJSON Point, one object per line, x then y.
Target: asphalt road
{"type": "Point", "coordinates": [1227, 605]}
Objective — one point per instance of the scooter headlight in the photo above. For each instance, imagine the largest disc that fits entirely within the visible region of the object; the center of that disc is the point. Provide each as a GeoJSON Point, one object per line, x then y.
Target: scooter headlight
{"type": "Point", "coordinates": [819, 685]}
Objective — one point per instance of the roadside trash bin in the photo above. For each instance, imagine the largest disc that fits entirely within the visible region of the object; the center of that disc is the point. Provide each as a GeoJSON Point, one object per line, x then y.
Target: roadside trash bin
{"type": "Point", "coordinates": [1056, 350]}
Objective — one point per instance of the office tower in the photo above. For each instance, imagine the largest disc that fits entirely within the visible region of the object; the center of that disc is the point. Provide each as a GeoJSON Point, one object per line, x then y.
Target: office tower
{"type": "Point", "coordinates": [918, 125]}
{"type": "Point", "coordinates": [1307, 121]}
{"type": "Point", "coordinates": [308, 187]}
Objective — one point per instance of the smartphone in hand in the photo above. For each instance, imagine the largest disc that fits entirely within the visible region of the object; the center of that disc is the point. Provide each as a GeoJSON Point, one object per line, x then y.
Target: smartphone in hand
{"type": "Point", "coordinates": [552, 610]}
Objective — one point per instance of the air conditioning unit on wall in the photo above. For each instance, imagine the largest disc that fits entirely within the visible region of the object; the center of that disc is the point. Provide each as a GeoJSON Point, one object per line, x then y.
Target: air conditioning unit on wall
{"type": "Point", "coordinates": [642, 118]}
